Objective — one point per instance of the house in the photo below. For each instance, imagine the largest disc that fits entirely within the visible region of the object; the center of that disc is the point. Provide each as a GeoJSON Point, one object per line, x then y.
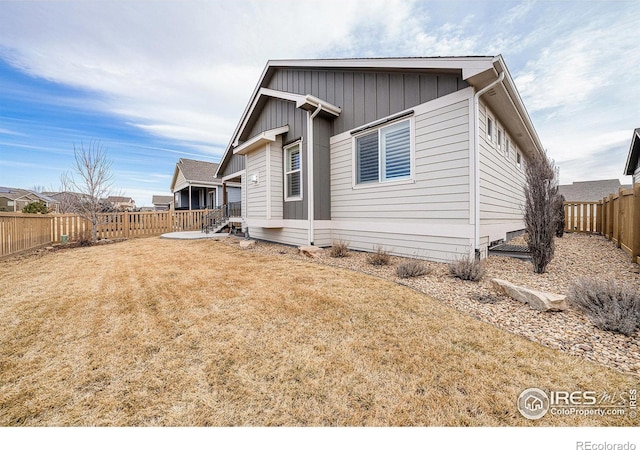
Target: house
{"type": "Point", "coordinates": [589, 191]}
{"type": "Point", "coordinates": [195, 186]}
{"type": "Point", "coordinates": [633, 160]}
{"type": "Point", "coordinates": [162, 202]}
{"type": "Point", "coordinates": [122, 203]}
{"type": "Point", "coordinates": [422, 156]}
{"type": "Point", "coordinates": [14, 199]}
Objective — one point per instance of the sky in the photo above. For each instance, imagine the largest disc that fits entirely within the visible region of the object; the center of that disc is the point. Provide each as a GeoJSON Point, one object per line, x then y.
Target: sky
{"type": "Point", "coordinates": [154, 81]}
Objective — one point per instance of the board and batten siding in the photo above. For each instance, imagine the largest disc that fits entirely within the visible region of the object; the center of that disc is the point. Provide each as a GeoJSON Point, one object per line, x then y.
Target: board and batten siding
{"type": "Point", "coordinates": [235, 165]}
{"type": "Point", "coordinates": [501, 182]}
{"type": "Point", "coordinates": [428, 218]}
{"type": "Point", "coordinates": [366, 95]}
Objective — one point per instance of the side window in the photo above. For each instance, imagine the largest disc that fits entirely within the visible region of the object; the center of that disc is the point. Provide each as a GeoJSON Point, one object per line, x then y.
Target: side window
{"type": "Point", "coordinates": [293, 173]}
{"type": "Point", "coordinates": [499, 141]}
{"type": "Point", "coordinates": [519, 160]}
{"type": "Point", "coordinates": [384, 154]}
{"type": "Point", "coordinates": [489, 129]}
{"type": "Point", "coordinates": [507, 146]}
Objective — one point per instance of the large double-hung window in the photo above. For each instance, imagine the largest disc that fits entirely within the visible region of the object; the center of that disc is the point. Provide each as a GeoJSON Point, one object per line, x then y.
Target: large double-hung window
{"type": "Point", "coordinates": [384, 154]}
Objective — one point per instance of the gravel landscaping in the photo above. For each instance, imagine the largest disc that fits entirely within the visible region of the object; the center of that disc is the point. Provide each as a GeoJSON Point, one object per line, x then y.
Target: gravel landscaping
{"type": "Point", "coordinates": [576, 256]}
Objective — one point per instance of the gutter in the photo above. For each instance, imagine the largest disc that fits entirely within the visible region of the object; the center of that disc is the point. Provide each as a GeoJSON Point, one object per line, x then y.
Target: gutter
{"type": "Point", "coordinates": [310, 192]}
{"type": "Point", "coordinates": [476, 156]}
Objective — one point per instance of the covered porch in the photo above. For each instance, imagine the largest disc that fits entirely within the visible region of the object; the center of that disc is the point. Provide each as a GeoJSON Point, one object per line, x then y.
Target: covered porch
{"type": "Point", "coordinates": [197, 197]}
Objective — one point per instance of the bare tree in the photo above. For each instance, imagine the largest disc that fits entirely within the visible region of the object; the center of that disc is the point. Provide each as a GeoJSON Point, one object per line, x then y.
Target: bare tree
{"type": "Point", "coordinates": [540, 215]}
{"type": "Point", "coordinates": [88, 182]}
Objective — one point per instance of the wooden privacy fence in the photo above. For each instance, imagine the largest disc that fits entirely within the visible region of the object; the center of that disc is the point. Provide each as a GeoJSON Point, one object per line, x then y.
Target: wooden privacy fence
{"type": "Point", "coordinates": [616, 217]}
{"type": "Point", "coordinates": [20, 231]}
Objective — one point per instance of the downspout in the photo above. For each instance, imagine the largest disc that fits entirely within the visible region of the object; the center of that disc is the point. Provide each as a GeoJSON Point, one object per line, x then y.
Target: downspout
{"type": "Point", "coordinates": [310, 193]}
{"type": "Point", "coordinates": [476, 155]}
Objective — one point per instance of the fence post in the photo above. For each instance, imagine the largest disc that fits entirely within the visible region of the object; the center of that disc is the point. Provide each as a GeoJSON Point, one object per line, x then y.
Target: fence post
{"type": "Point", "coordinates": [635, 224]}
{"type": "Point", "coordinates": [126, 224]}
{"type": "Point", "coordinates": [610, 221]}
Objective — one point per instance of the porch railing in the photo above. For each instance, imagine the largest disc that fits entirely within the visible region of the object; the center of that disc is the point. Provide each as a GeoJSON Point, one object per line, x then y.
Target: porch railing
{"type": "Point", "coordinates": [219, 217]}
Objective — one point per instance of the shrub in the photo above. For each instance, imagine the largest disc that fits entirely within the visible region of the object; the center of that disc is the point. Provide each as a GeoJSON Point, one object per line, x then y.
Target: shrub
{"type": "Point", "coordinates": [540, 217]}
{"type": "Point", "coordinates": [411, 269]}
{"type": "Point", "coordinates": [467, 268]}
{"type": "Point", "coordinates": [35, 208]}
{"type": "Point", "coordinates": [561, 220]}
{"type": "Point", "coordinates": [380, 257]}
{"type": "Point", "coordinates": [340, 249]}
{"type": "Point", "coordinates": [84, 239]}
{"type": "Point", "coordinates": [609, 305]}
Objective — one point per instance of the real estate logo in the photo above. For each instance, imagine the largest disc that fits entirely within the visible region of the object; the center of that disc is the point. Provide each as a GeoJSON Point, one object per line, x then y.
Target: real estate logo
{"type": "Point", "coordinates": [533, 403]}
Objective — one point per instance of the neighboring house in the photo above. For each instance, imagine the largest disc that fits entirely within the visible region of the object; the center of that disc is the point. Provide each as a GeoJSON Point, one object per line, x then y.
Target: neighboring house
{"type": "Point", "coordinates": [422, 156]}
{"type": "Point", "coordinates": [162, 202]}
{"type": "Point", "coordinates": [589, 191]}
{"type": "Point", "coordinates": [195, 186]}
{"type": "Point", "coordinates": [67, 202]}
{"type": "Point", "coordinates": [122, 203]}
{"type": "Point", "coordinates": [14, 199]}
{"type": "Point", "coordinates": [633, 160]}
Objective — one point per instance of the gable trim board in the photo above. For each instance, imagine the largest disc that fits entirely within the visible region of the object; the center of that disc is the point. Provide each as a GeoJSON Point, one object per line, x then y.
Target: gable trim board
{"type": "Point", "coordinates": [632, 167]}
{"type": "Point", "coordinates": [457, 197]}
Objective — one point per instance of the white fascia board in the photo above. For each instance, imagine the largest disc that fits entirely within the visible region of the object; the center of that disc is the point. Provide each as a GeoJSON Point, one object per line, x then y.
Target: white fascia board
{"type": "Point", "coordinates": [279, 94]}
{"type": "Point", "coordinates": [514, 95]}
{"type": "Point", "coordinates": [231, 176]}
{"type": "Point", "coordinates": [471, 64]}
{"type": "Point", "coordinates": [260, 140]}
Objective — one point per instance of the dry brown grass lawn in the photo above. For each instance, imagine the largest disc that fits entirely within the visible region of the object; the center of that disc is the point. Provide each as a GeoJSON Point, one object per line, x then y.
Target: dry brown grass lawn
{"type": "Point", "coordinates": [193, 333]}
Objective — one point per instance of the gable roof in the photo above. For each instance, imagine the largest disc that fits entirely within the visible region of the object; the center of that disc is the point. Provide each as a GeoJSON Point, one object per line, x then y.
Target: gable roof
{"type": "Point", "coordinates": [119, 199]}
{"type": "Point", "coordinates": [478, 71]}
{"type": "Point", "coordinates": [634, 153]}
{"type": "Point", "coordinates": [161, 199]}
{"type": "Point", "coordinates": [195, 171]}
{"type": "Point", "coordinates": [589, 191]}
{"type": "Point", "coordinates": [17, 193]}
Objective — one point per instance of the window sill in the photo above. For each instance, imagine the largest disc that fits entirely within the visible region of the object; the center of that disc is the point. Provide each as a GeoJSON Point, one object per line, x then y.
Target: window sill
{"type": "Point", "coordinates": [293, 199]}
{"type": "Point", "coordinates": [380, 184]}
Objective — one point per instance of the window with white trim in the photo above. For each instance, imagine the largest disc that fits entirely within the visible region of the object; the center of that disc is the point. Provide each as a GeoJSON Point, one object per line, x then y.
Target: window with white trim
{"type": "Point", "coordinates": [384, 154]}
{"type": "Point", "coordinates": [507, 147]}
{"type": "Point", "coordinates": [293, 172]}
{"type": "Point", "coordinates": [519, 160]}
{"type": "Point", "coordinates": [489, 129]}
{"type": "Point", "coordinates": [499, 146]}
